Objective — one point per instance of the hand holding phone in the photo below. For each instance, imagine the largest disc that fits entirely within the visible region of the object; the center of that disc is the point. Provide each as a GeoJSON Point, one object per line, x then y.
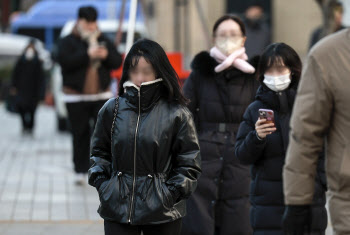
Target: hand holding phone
{"type": "Point", "coordinates": [268, 115]}
{"type": "Point", "coordinates": [102, 49]}
{"type": "Point", "coordinates": [98, 51]}
{"type": "Point", "coordinates": [266, 123]}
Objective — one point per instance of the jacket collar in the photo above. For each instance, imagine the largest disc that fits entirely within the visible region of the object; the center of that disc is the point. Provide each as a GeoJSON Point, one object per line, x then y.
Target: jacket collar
{"type": "Point", "coordinates": [148, 94]}
{"type": "Point", "coordinates": [280, 101]}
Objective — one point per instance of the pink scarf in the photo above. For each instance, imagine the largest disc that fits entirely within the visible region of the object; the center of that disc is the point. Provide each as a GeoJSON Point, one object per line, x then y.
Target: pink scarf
{"type": "Point", "coordinates": [237, 59]}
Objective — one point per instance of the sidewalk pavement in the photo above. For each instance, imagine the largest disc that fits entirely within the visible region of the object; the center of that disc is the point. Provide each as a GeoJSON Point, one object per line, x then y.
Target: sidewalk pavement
{"type": "Point", "coordinates": [37, 190]}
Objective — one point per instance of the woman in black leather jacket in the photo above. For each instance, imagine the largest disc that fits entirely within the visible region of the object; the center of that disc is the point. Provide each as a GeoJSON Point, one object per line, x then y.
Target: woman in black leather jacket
{"type": "Point", "coordinates": [144, 149]}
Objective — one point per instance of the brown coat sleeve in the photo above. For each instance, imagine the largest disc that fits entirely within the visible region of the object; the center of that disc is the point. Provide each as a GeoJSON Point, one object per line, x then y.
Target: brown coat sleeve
{"type": "Point", "coordinates": [309, 124]}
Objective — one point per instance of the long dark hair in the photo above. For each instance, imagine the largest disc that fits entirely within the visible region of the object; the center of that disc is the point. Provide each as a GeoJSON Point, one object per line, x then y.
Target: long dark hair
{"type": "Point", "coordinates": [280, 54]}
{"type": "Point", "coordinates": [154, 54]}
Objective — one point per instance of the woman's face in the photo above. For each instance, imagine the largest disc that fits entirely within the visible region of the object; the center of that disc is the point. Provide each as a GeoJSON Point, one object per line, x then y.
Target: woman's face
{"type": "Point", "coordinates": [229, 37]}
{"type": "Point", "coordinates": [278, 70]}
{"type": "Point", "coordinates": [143, 72]}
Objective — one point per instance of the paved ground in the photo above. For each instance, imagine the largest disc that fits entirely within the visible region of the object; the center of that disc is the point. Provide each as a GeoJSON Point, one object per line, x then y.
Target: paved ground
{"type": "Point", "coordinates": [37, 191]}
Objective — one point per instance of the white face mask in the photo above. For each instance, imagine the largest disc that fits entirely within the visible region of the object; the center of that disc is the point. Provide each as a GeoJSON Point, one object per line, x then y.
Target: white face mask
{"type": "Point", "coordinates": [277, 83]}
{"type": "Point", "coordinates": [228, 45]}
{"type": "Point", "coordinates": [29, 54]}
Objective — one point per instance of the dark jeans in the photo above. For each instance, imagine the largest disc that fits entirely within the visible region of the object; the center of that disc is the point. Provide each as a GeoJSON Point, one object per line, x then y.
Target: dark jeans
{"type": "Point", "coordinates": [27, 116]}
{"type": "Point", "coordinates": [82, 118]}
{"type": "Point", "coordinates": [171, 228]}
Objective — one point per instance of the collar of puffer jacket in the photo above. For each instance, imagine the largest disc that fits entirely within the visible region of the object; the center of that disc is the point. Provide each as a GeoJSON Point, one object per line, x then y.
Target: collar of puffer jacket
{"type": "Point", "coordinates": [281, 101]}
{"type": "Point", "coordinates": [150, 93]}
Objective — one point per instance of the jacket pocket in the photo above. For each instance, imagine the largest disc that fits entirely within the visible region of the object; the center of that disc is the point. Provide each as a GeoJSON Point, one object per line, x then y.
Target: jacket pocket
{"type": "Point", "coordinates": [114, 202]}
{"type": "Point", "coordinates": [169, 200]}
{"type": "Point", "coordinates": [103, 186]}
{"type": "Point", "coordinates": [113, 191]}
{"type": "Point", "coordinates": [146, 187]}
{"type": "Point", "coordinates": [107, 189]}
{"type": "Point", "coordinates": [123, 187]}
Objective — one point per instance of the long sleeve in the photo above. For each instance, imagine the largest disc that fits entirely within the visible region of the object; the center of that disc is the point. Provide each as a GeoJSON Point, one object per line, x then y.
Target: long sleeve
{"type": "Point", "coordinates": [186, 169]}
{"type": "Point", "coordinates": [248, 148]}
{"type": "Point", "coordinates": [69, 57]}
{"type": "Point", "coordinates": [309, 124]}
{"type": "Point", "coordinates": [114, 59]}
{"type": "Point", "coordinates": [101, 144]}
{"type": "Point", "coordinates": [190, 90]}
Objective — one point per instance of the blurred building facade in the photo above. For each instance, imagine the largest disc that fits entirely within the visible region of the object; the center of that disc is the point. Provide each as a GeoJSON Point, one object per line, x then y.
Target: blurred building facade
{"type": "Point", "coordinates": [185, 25]}
{"type": "Point", "coordinates": [177, 24]}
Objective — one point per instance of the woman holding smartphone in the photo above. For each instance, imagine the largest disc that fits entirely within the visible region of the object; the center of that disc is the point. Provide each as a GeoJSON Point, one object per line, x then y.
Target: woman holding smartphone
{"type": "Point", "coordinates": [263, 144]}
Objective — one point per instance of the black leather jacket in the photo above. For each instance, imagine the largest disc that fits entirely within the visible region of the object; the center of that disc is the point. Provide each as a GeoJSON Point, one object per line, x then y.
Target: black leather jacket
{"type": "Point", "coordinates": [154, 161]}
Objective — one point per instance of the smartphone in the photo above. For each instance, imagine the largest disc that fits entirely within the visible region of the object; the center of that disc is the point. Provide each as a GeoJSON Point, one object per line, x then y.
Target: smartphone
{"type": "Point", "coordinates": [267, 114]}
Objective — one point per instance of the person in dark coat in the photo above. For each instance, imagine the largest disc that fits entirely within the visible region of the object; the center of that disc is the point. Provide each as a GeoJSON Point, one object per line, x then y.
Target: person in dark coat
{"type": "Point", "coordinates": [28, 84]}
{"type": "Point", "coordinates": [145, 149]}
{"type": "Point", "coordinates": [318, 34]}
{"type": "Point", "coordinates": [263, 146]}
{"type": "Point", "coordinates": [220, 90]}
{"type": "Point", "coordinates": [86, 58]}
{"type": "Point", "coordinates": [258, 31]}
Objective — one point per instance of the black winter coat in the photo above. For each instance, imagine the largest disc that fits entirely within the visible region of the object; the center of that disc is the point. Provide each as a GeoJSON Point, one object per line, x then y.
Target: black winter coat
{"type": "Point", "coordinates": [153, 163]}
{"type": "Point", "coordinates": [74, 60]}
{"type": "Point", "coordinates": [267, 159]}
{"type": "Point", "coordinates": [219, 98]}
{"type": "Point", "coordinates": [218, 102]}
{"type": "Point", "coordinates": [28, 78]}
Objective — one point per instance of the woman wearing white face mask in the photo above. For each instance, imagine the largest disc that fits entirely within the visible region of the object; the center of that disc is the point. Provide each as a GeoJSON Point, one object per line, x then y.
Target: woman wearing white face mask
{"type": "Point", "coordinates": [264, 145]}
{"type": "Point", "coordinates": [221, 86]}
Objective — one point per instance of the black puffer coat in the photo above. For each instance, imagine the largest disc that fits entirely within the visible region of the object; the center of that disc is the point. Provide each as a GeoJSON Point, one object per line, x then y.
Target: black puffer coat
{"type": "Point", "coordinates": [218, 102]}
{"type": "Point", "coordinates": [267, 160]}
{"type": "Point", "coordinates": [153, 163]}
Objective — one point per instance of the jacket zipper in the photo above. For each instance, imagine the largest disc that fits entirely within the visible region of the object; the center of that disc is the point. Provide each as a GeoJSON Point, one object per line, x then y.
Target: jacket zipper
{"type": "Point", "coordinates": [134, 177]}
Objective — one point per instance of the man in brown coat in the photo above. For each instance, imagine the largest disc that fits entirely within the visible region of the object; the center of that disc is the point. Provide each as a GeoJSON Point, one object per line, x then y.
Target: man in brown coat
{"type": "Point", "coordinates": [321, 111]}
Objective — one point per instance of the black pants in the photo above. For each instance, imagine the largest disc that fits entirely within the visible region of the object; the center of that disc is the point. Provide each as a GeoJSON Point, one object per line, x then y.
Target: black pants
{"type": "Point", "coordinates": [114, 228]}
{"type": "Point", "coordinates": [82, 118]}
{"type": "Point", "coordinates": [27, 116]}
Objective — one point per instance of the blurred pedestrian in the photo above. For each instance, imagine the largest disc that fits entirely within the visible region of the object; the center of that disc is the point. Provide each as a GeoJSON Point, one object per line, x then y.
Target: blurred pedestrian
{"type": "Point", "coordinates": [257, 30]}
{"type": "Point", "coordinates": [220, 88]}
{"type": "Point", "coordinates": [321, 111]}
{"type": "Point", "coordinates": [86, 57]}
{"type": "Point", "coordinates": [145, 149]}
{"type": "Point", "coordinates": [263, 145]}
{"type": "Point", "coordinates": [337, 14]}
{"type": "Point", "coordinates": [28, 85]}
